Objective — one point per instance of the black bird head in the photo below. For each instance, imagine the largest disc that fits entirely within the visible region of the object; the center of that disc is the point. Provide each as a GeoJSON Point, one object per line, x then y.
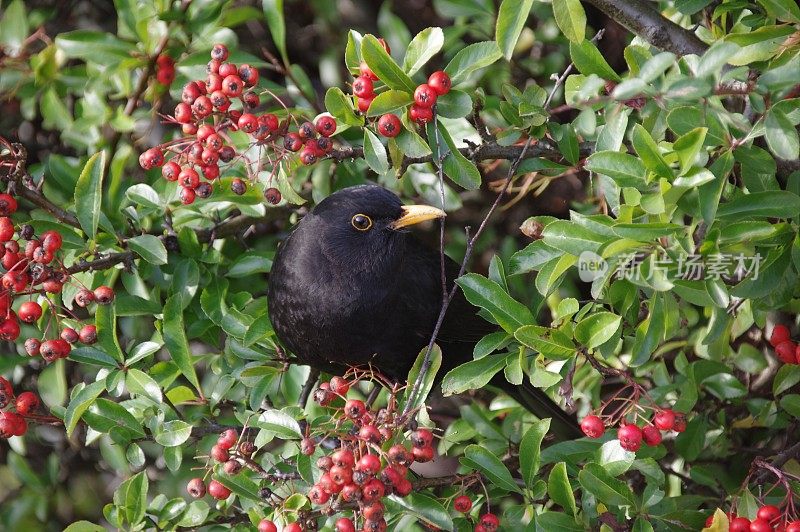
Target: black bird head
{"type": "Point", "coordinates": [359, 228]}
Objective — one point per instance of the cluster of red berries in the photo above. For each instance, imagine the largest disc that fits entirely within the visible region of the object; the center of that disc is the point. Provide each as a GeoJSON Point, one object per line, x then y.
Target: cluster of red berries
{"type": "Point", "coordinates": [165, 69]}
{"type": "Point", "coordinates": [24, 404]}
{"type": "Point", "coordinates": [32, 269]}
{"type": "Point", "coordinates": [630, 435]}
{"type": "Point", "coordinates": [206, 112]}
{"type": "Point", "coordinates": [768, 519]}
{"type": "Point", "coordinates": [420, 112]}
{"type": "Point", "coordinates": [785, 349]}
{"type": "Point", "coordinates": [225, 451]}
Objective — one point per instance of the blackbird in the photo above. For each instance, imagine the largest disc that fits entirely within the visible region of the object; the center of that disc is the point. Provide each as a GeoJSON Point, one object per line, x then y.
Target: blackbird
{"type": "Point", "coordinates": [351, 286]}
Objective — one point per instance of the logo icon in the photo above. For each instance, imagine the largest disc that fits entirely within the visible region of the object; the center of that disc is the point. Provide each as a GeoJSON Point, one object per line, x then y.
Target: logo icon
{"type": "Point", "coordinates": [591, 266]}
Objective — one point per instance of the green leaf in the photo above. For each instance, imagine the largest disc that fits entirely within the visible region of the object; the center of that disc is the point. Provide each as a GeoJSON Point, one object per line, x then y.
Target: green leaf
{"type": "Point", "coordinates": [781, 135]}
{"type": "Point", "coordinates": [785, 10]}
{"type": "Point", "coordinates": [389, 102]}
{"type": "Point", "coordinates": [281, 423]}
{"type": "Point", "coordinates": [84, 526]}
{"type": "Point", "coordinates": [131, 498]}
{"type": "Point", "coordinates": [422, 48]}
{"type": "Point", "coordinates": [174, 333]}
{"type": "Point", "coordinates": [688, 145]}
{"type": "Point", "coordinates": [477, 457]}
{"type": "Point", "coordinates": [95, 46]}
{"type": "Point", "coordinates": [375, 153]}
{"type": "Point", "coordinates": [588, 60]}
{"type": "Point", "coordinates": [80, 403]}
{"type": "Point", "coordinates": [426, 508]}
{"type": "Point", "coordinates": [475, 374]}
{"type": "Point", "coordinates": [144, 195]}
{"type": "Point", "coordinates": [141, 383]}
{"type": "Point", "coordinates": [103, 415]}
{"type": "Point", "coordinates": [649, 333]}
{"type": "Point", "coordinates": [384, 66]}
{"type": "Point", "coordinates": [787, 376]}
{"type": "Point", "coordinates": [14, 27]}
{"type": "Point", "coordinates": [606, 488]}
{"type": "Point", "coordinates": [552, 343]}
{"type": "Point", "coordinates": [408, 403]}
{"type": "Point", "coordinates": [626, 170]}
{"type": "Point", "coordinates": [770, 204]}
{"type": "Point", "coordinates": [89, 193]}
{"type": "Point", "coordinates": [173, 433]}
{"type": "Point", "coordinates": [571, 237]}
{"type": "Point", "coordinates": [648, 152]}
{"type": "Point", "coordinates": [511, 20]}
{"type": "Point", "coordinates": [150, 248]}
{"type": "Point", "coordinates": [597, 328]}
{"type": "Point", "coordinates": [105, 319]}
{"type": "Point", "coordinates": [472, 58]}
{"type": "Point", "coordinates": [454, 104]}
{"type": "Point", "coordinates": [457, 167]}
{"type": "Point", "coordinates": [340, 106]}
{"type": "Point", "coordinates": [791, 403]}
{"type": "Point", "coordinates": [487, 294]}
{"type": "Point", "coordinates": [241, 486]}
{"type": "Point", "coordinates": [273, 12]}
{"type": "Point", "coordinates": [559, 488]}
{"type": "Point", "coordinates": [570, 18]}
{"type": "Point", "coordinates": [530, 449]}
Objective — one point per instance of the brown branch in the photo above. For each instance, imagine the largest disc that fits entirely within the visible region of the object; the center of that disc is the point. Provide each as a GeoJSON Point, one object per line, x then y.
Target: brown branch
{"type": "Point", "coordinates": [643, 19]}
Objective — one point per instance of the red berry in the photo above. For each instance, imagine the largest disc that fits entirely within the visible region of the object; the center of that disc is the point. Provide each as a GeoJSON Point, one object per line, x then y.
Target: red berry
{"type": "Point", "coordinates": [8, 205]}
{"type": "Point", "coordinates": [760, 525]}
{"type": "Point", "coordinates": [489, 521]}
{"type": "Point", "coordinates": [651, 435]}
{"type": "Point", "coordinates": [389, 125]}
{"type": "Point", "coordinates": [344, 524]}
{"type": "Point", "coordinates": [398, 454]}
{"type": "Point", "coordinates": [592, 426]}
{"type": "Point", "coordinates": [265, 525]}
{"type": "Point", "coordinates": [232, 86]}
{"type": "Point", "coordinates": [308, 157]}
{"type": "Point", "coordinates": [364, 103]}
{"type": "Point", "coordinates": [325, 125]}
{"type": "Point", "coordinates": [354, 408]}
{"type": "Point", "coordinates": [786, 352]}
{"type": "Point", "coordinates": [307, 446]}
{"type": "Point", "coordinates": [88, 334]}
{"type": "Point", "coordinates": [422, 454]}
{"type": "Point", "coordinates": [220, 454]}
{"type": "Point", "coordinates": [151, 158]}
{"type": "Point", "coordinates": [238, 186]}
{"type": "Point", "coordinates": [228, 439]}
{"type": "Point", "coordinates": [189, 178]}
{"type": "Point", "coordinates": [462, 504]}
{"type": "Point", "coordinates": [425, 96]}
{"type": "Point", "coordinates": [794, 526]}
{"type": "Point", "coordinates": [165, 75]}
{"type": "Point", "coordinates": [32, 346]}
{"type": "Point", "coordinates": [27, 402]}
{"type": "Point", "coordinates": [30, 311]}
{"type": "Point", "coordinates": [270, 121]}
{"type": "Point", "coordinates": [630, 437]}
{"type": "Point", "coordinates": [104, 295]}
{"type": "Point", "coordinates": [9, 329]}
{"type": "Point", "coordinates": [170, 171]}
{"type": "Point", "coordinates": [344, 458]}
{"type": "Point", "coordinates": [54, 349]}
{"type": "Point", "coordinates": [372, 510]}
{"type": "Point", "coordinates": [218, 490]}
{"type": "Point", "coordinates": [186, 195]}
{"type": "Point", "coordinates": [403, 488]}
{"type": "Point", "coordinates": [192, 91]}
{"type": "Point", "coordinates": [248, 122]}
{"type": "Point", "coordinates": [12, 424]}
{"type": "Point", "coordinates": [6, 229]}
{"type": "Point", "coordinates": [69, 335]}
{"type": "Point", "coordinates": [183, 113]}
{"type": "Point", "coordinates": [196, 488]}
{"type": "Point", "coordinates": [351, 493]}
{"type": "Point", "coordinates": [680, 422]}
{"type": "Point", "coordinates": [219, 52]}
{"type": "Point", "coordinates": [420, 115]}
{"type": "Point", "coordinates": [227, 69]}
{"type": "Point", "coordinates": [317, 495]}
{"type": "Point", "coordinates": [739, 524]}
{"type": "Point", "coordinates": [780, 333]}
{"type": "Point", "coordinates": [366, 71]}
{"type": "Point", "coordinates": [219, 100]}
{"type": "Point", "coordinates": [422, 438]}
{"type": "Point", "coordinates": [440, 82]}
{"type": "Point", "coordinates": [202, 107]}
{"type": "Point", "coordinates": [293, 527]}
{"type": "Point", "coordinates": [363, 87]}
{"type": "Point", "coordinates": [248, 74]}
{"type": "Point", "coordinates": [373, 490]}
{"type": "Point", "coordinates": [664, 419]}
{"type": "Point", "coordinates": [369, 463]}
{"type": "Point", "coordinates": [768, 513]}
{"type": "Point", "coordinates": [369, 434]}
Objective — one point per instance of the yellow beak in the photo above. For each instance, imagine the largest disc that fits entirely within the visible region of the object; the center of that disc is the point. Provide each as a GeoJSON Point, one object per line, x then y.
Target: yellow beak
{"type": "Point", "coordinates": [414, 214]}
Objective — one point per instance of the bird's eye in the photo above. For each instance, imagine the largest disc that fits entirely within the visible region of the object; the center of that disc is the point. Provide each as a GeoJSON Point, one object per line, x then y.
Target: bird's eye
{"type": "Point", "coordinates": [362, 222]}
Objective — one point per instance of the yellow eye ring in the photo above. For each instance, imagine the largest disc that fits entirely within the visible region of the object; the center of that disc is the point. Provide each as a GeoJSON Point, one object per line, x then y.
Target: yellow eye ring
{"type": "Point", "coordinates": [361, 222]}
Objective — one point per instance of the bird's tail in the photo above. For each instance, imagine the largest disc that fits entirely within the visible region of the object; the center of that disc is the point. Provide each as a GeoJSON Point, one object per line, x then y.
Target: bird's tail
{"type": "Point", "coordinates": [564, 426]}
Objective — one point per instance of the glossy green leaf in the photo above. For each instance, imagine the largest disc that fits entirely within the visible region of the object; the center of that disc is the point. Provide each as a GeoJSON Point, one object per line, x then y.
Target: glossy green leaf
{"type": "Point", "coordinates": [597, 328]}
{"type": "Point", "coordinates": [422, 48]}
{"type": "Point", "coordinates": [375, 153]}
{"type": "Point", "coordinates": [89, 192]}
{"type": "Point", "coordinates": [176, 342]}
{"type": "Point", "coordinates": [487, 294]}
{"type": "Point", "coordinates": [149, 247]}
{"type": "Point", "coordinates": [530, 449]}
{"type": "Point", "coordinates": [606, 488]}
{"type": "Point", "coordinates": [490, 465]}
{"type": "Point", "coordinates": [511, 18]}
{"type": "Point", "coordinates": [471, 58]}
{"type": "Point", "coordinates": [384, 66]}
{"type": "Point", "coordinates": [571, 19]}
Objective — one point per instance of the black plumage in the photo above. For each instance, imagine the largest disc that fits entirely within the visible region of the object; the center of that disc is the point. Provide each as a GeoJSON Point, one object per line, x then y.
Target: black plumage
{"type": "Point", "coordinates": [351, 286]}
